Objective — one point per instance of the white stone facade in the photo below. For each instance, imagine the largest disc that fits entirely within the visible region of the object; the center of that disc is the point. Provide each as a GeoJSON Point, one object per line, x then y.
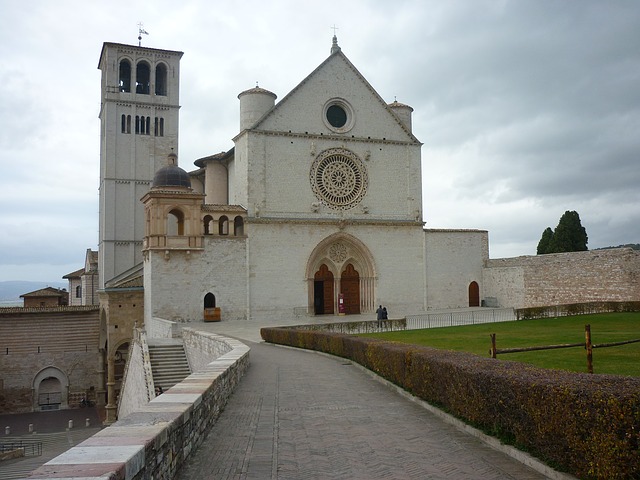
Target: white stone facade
{"type": "Point", "coordinates": [316, 210]}
{"type": "Point", "coordinates": [139, 128]}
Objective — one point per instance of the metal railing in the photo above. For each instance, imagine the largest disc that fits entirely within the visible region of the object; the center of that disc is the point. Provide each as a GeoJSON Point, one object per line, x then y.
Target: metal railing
{"type": "Point", "coordinates": [30, 448]}
{"type": "Point", "coordinates": [457, 318]}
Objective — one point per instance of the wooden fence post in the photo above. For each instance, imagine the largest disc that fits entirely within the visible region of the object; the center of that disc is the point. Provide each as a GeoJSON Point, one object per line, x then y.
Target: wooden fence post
{"type": "Point", "coordinates": [589, 347]}
{"type": "Point", "coordinates": [492, 352]}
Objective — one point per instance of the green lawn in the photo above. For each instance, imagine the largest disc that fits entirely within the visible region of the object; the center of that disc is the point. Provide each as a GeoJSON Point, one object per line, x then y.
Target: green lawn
{"type": "Point", "coordinates": [605, 328]}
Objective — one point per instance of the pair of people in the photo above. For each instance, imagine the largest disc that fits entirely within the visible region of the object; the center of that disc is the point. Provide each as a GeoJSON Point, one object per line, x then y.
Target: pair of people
{"type": "Point", "coordinates": [381, 313]}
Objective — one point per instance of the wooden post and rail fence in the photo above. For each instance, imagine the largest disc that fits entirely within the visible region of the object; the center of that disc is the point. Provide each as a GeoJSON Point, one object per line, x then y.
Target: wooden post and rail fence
{"type": "Point", "coordinates": [587, 345]}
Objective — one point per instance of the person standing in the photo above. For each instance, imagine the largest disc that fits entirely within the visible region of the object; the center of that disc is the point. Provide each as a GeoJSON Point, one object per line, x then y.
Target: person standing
{"type": "Point", "coordinates": [380, 315]}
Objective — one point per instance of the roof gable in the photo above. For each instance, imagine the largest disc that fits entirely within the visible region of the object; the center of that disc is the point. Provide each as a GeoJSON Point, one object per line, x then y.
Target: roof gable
{"type": "Point", "coordinates": [45, 292]}
{"type": "Point", "coordinates": [302, 109]}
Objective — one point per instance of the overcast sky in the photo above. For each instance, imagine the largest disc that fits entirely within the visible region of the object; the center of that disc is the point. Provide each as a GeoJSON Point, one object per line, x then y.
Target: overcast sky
{"type": "Point", "coordinates": [526, 108]}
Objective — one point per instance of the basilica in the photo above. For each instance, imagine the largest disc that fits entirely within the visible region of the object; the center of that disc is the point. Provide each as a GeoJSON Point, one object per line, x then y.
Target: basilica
{"type": "Point", "coordinates": [316, 209]}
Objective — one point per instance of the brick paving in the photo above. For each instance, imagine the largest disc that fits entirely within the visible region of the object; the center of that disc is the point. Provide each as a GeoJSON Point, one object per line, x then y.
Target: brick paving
{"type": "Point", "coordinates": [301, 415]}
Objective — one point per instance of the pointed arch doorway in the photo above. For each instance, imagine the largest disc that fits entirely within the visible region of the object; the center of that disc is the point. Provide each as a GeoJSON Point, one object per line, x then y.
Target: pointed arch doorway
{"type": "Point", "coordinates": [323, 291]}
{"type": "Point", "coordinates": [341, 264]}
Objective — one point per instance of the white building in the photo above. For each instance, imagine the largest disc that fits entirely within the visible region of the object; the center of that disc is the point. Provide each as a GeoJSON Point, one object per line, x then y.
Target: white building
{"type": "Point", "coordinates": [317, 209]}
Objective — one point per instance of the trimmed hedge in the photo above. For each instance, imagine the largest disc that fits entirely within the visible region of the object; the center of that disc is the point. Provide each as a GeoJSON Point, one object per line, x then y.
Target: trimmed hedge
{"type": "Point", "coordinates": [576, 309]}
{"type": "Point", "coordinates": [588, 425]}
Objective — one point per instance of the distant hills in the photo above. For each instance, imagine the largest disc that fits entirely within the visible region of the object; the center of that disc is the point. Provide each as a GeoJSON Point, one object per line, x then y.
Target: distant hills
{"type": "Point", "coordinates": [635, 246]}
{"type": "Point", "coordinates": [10, 291]}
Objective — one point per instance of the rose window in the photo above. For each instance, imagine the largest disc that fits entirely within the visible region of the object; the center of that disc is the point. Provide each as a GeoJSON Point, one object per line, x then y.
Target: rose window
{"type": "Point", "coordinates": [338, 252]}
{"type": "Point", "coordinates": [338, 178]}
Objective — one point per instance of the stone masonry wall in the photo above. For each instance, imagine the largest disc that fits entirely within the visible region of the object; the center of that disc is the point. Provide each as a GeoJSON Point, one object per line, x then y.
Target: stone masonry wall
{"type": "Point", "coordinates": [156, 439]}
{"type": "Point", "coordinates": [565, 278]}
{"type": "Point", "coordinates": [202, 349]}
{"type": "Point", "coordinates": [454, 259]}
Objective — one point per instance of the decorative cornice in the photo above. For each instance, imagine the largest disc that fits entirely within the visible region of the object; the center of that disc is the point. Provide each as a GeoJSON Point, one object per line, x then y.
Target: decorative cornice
{"type": "Point", "coordinates": [339, 222]}
{"type": "Point", "coordinates": [333, 137]}
{"type": "Point", "coordinates": [210, 207]}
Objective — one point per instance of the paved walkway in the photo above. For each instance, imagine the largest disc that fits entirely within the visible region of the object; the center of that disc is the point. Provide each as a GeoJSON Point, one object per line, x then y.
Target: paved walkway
{"type": "Point", "coordinates": [299, 415]}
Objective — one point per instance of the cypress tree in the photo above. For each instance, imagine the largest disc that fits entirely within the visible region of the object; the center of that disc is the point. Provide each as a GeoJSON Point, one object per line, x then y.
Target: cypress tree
{"type": "Point", "coordinates": [569, 236]}
{"type": "Point", "coordinates": [544, 245]}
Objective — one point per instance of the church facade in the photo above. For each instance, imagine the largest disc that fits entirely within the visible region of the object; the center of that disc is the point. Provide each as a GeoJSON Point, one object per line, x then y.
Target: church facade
{"type": "Point", "coordinates": [317, 208]}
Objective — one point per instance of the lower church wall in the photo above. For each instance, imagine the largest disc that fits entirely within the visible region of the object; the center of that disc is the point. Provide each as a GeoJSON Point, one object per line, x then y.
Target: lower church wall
{"type": "Point", "coordinates": [177, 283]}
{"type": "Point", "coordinates": [565, 278]}
{"type": "Point", "coordinates": [454, 259]}
{"type": "Point", "coordinates": [280, 254]}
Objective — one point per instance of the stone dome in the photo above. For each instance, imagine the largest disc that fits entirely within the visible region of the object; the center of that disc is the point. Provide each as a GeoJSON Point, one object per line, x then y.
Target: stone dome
{"type": "Point", "coordinates": [171, 176]}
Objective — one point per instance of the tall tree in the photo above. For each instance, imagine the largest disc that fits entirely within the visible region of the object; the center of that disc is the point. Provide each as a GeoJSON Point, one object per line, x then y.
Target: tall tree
{"type": "Point", "coordinates": [544, 245]}
{"type": "Point", "coordinates": [569, 236]}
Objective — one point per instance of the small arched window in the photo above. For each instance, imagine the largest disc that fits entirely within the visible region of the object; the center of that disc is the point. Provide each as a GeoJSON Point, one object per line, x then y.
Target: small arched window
{"type": "Point", "coordinates": [207, 224]}
{"type": "Point", "coordinates": [124, 81]}
{"type": "Point", "coordinates": [143, 78]}
{"type": "Point", "coordinates": [161, 79]}
{"type": "Point", "coordinates": [147, 130]}
{"type": "Point", "coordinates": [238, 226]}
{"type": "Point", "coordinates": [123, 127]}
{"type": "Point", "coordinates": [161, 127]}
{"type": "Point", "coordinates": [128, 123]}
{"type": "Point", "coordinates": [209, 300]}
{"type": "Point", "coordinates": [223, 225]}
{"type": "Point", "coordinates": [175, 222]}
{"type": "Point", "coordinates": [79, 291]}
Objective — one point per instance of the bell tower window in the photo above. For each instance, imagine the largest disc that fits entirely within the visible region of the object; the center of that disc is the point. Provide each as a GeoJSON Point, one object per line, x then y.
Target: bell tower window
{"type": "Point", "coordinates": [161, 80]}
{"type": "Point", "coordinates": [124, 81]}
{"type": "Point", "coordinates": [143, 78]}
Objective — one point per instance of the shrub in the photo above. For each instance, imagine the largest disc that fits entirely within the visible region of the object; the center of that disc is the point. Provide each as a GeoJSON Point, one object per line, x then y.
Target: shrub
{"type": "Point", "coordinates": [588, 425]}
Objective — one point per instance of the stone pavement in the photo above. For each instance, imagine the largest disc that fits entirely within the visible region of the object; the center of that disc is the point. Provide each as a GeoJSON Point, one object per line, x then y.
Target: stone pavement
{"type": "Point", "coordinates": [299, 414]}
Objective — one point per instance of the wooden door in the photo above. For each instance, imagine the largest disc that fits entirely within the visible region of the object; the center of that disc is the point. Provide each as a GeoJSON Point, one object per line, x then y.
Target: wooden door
{"type": "Point", "coordinates": [350, 288]}
{"type": "Point", "coordinates": [474, 294]}
{"type": "Point", "coordinates": [323, 291]}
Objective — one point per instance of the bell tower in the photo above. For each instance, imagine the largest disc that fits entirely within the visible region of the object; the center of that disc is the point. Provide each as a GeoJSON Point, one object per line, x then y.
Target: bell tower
{"type": "Point", "coordinates": [138, 129]}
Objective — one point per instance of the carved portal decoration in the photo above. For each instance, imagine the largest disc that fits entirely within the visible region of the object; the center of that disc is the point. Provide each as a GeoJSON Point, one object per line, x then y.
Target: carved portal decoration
{"type": "Point", "coordinates": [338, 252]}
{"type": "Point", "coordinates": [339, 178]}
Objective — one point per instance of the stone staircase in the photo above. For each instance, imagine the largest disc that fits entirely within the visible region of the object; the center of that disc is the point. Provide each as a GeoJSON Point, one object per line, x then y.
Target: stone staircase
{"type": "Point", "coordinates": [169, 364]}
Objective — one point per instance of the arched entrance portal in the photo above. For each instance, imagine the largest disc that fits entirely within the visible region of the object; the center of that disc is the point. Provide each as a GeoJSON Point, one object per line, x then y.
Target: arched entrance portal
{"type": "Point", "coordinates": [474, 294]}
{"type": "Point", "coordinates": [50, 389]}
{"type": "Point", "coordinates": [323, 291]}
{"type": "Point", "coordinates": [341, 264]}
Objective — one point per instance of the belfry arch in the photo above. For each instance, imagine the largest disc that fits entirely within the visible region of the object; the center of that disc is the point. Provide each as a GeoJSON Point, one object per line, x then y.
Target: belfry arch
{"type": "Point", "coordinates": [341, 264]}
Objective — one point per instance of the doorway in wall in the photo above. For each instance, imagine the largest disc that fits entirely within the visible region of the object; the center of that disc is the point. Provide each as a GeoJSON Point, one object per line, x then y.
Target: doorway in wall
{"type": "Point", "coordinates": [323, 291]}
{"type": "Point", "coordinates": [50, 394]}
{"type": "Point", "coordinates": [350, 289]}
{"type": "Point", "coordinates": [474, 294]}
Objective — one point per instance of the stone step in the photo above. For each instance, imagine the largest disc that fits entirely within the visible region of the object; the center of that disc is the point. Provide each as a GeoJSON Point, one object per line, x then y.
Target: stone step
{"type": "Point", "coordinates": [169, 365]}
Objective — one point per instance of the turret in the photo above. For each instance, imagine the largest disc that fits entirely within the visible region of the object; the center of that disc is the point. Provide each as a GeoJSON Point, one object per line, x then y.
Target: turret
{"type": "Point", "coordinates": [254, 104]}
{"type": "Point", "coordinates": [403, 112]}
{"type": "Point", "coordinates": [216, 180]}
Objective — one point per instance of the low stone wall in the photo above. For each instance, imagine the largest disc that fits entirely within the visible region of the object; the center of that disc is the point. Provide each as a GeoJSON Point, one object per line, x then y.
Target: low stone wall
{"type": "Point", "coordinates": [202, 347]}
{"type": "Point", "coordinates": [355, 328]}
{"type": "Point", "coordinates": [137, 385]}
{"type": "Point", "coordinates": [161, 328]}
{"type": "Point", "coordinates": [155, 440]}
{"type": "Point", "coordinates": [611, 275]}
